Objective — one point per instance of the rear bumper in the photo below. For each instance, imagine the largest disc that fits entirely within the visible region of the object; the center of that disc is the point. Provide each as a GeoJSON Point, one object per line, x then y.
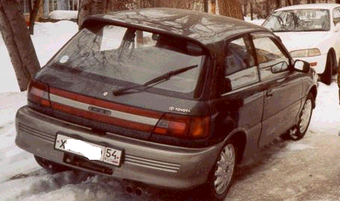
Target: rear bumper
{"type": "Point", "coordinates": [147, 162]}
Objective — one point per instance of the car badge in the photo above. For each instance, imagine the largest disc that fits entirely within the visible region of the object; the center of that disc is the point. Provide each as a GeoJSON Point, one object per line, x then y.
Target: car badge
{"type": "Point", "coordinates": [177, 109]}
{"type": "Point", "coordinates": [99, 110]}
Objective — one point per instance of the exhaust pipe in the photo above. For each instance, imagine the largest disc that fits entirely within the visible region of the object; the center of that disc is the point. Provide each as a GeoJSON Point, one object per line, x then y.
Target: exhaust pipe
{"type": "Point", "coordinates": [129, 189]}
{"type": "Point", "coordinates": [134, 189]}
{"type": "Point", "coordinates": [139, 191]}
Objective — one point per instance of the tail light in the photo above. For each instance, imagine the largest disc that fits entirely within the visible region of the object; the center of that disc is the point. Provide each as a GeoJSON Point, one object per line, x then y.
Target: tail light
{"type": "Point", "coordinates": [183, 126]}
{"type": "Point", "coordinates": [38, 93]}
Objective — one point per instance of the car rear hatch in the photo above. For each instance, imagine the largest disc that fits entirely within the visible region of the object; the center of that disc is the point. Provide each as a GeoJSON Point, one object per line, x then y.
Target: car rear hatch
{"type": "Point", "coordinates": [105, 79]}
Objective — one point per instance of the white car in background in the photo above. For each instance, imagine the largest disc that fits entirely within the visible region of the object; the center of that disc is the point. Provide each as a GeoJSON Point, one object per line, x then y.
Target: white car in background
{"type": "Point", "coordinates": [310, 32]}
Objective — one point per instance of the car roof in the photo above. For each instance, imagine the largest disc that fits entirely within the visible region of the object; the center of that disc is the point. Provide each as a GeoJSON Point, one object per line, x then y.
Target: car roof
{"type": "Point", "coordinates": [204, 28]}
{"type": "Point", "coordinates": [311, 6]}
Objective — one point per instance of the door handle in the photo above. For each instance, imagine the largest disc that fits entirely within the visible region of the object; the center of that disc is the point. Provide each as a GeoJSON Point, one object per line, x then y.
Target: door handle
{"type": "Point", "coordinates": [269, 93]}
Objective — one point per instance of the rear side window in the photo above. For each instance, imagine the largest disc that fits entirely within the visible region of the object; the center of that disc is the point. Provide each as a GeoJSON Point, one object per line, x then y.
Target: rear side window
{"type": "Point", "coordinates": [240, 69]}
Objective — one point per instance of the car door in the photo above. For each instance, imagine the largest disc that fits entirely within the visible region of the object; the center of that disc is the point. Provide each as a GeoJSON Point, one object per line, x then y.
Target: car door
{"type": "Point", "coordinates": [242, 87]}
{"type": "Point", "coordinates": [283, 87]}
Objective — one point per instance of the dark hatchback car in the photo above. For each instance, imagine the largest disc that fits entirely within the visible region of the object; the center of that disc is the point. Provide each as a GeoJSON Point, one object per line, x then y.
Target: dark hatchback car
{"type": "Point", "coordinates": [167, 97]}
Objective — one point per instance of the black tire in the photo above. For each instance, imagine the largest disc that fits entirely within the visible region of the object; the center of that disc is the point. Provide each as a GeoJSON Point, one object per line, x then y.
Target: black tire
{"type": "Point", "coordinates": [336, 66]}
{"type": "Point", "coordinates": [223, 172]}
{"type": "Point", "coordinates": [326, 77]}
{"type": "Point", "coordinates": [50, 165]}
{"type": "Point", "coordinates": [299, 131]}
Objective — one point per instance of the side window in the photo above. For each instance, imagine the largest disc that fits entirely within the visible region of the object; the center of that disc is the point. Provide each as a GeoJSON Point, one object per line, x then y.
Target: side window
{"type": "Point", "coordinates": [336, 16]}
{"type": "Point", "coordinates": [272, 61]}
{"type": "Point", "coordinates": [239, 65]}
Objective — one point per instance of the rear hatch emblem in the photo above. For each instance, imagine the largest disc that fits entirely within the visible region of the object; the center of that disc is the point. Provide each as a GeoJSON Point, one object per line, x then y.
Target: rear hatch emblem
{"type": "Point", "coordinates": [177, 109]}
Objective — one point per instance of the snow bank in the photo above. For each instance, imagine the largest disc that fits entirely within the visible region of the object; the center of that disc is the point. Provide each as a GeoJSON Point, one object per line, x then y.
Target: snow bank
{"type": "Point", "coordinates": [326, 115]}
{"type": "Point", "coordinates": [63, 15]}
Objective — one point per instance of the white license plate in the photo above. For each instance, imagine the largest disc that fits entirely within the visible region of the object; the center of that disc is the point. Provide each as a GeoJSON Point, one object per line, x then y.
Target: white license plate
{"type": "Point", "coordinates": [89, 150]}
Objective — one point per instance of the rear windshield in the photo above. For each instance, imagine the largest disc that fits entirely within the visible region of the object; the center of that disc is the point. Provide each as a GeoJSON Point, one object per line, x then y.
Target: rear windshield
{"type": "Point", "coordinates": [133, 57]}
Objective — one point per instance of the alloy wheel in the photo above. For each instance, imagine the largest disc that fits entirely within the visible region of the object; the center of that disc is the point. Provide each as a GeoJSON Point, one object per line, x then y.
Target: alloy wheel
{"type": "Point", "coordinates": [305, 115]}
{"type": "Point", "coordinates": [224, 169]}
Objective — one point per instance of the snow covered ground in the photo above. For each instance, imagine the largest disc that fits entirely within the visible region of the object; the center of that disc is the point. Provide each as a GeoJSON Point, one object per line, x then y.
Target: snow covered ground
{"type": "Point", "coordinates": [22, 179]}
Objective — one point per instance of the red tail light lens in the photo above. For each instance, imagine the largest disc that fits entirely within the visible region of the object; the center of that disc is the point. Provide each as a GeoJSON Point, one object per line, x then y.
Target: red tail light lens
{"type": "Point", "coordinates": [38, 93]}
{"type": "Point", "coordinates": [183, 126]}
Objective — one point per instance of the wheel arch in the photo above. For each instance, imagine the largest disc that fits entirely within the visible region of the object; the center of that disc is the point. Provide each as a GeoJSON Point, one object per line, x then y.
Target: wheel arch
{"type": "Point", "coordinates": [239, 139]}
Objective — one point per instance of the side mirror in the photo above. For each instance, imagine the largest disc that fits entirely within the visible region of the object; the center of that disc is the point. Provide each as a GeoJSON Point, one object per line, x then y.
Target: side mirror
{"type": "Point", "coordinates": [301, 66]}
{"type": "Point", "coordinates": [337, 27]}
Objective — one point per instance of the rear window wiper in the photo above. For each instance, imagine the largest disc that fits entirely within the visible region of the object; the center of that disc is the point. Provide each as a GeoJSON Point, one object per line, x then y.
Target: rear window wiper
{"type": "Point", "coordinates": [153, 81]}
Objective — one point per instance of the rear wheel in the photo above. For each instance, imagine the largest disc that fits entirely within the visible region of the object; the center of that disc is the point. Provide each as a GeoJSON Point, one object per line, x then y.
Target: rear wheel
{"type": "Point", "coordinates": [223, 172]}
{"type": "Point", "coordinates": [299, 131]}
{"type": "Point", "coordinates": [50, 165]}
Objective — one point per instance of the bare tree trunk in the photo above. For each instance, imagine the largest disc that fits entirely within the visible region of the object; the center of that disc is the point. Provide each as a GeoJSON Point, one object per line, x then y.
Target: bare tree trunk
{"type": "Point", "coordinates": [173, 3]}
{"type": "Point", "coordinates": [91, 7]}
{"type": "Point", "coordinates": [62, 5]}
{"type": "Point", "coordinates": [212, 6]}
{"type": "Point", "coordinates": [251, 11]}
{"type": "Point", "coordinates": [139, 34]}
{"type": "Point", "coordinates": [267, 8]}
{"type": "Point", "coordinates": [245, 5]}
{"type": "Point", "coordinates": [18, 42]}
{"type": "Point", "coordinates": [278, 3]}
{"type": "Point", "coordinates": [230, 8]}
{"type": "Point", "coordinates": [296, 2]}
{"type": "Point", "coordinates": [206, 5]}
{"type": "Point", "coordinates": [157, 3]}
{"type": "Point", "coordinates": [33, 14]}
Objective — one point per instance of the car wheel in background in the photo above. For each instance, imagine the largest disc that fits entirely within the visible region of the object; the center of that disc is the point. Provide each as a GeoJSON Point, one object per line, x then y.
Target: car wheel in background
{"type": "Point", "coordinates": [299, 131]}
{"type": "Point", "coordinates": [49, 165]}
{"type": "Point", "coordinates": [222, 174]}
{"type": "Point", "coordinates": [326, 77]}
